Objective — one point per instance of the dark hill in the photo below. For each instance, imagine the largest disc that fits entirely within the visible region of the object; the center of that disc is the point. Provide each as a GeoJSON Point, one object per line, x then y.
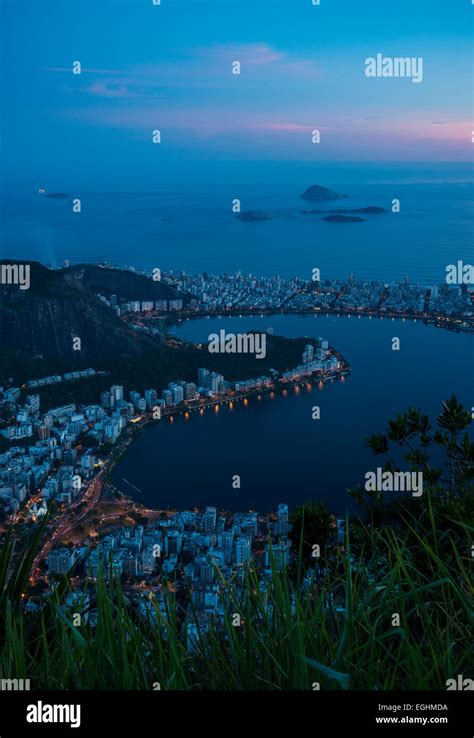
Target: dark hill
{"type": "Point", "coordinates": [37, 327]}
{"type": "Point", "coordinates": [123, 283]}
{"type": "Point", "coordinates": [57, 307]}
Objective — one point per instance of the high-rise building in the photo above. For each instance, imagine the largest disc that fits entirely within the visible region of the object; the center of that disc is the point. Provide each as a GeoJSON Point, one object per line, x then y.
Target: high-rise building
{"type": "Point", "coordinates": [60, 560]}
{"type": "Point", "coordinates": [280, 552]}
{"type": "Point", "coordinates": [151, 397]}
{"type": "Point", "coordinates": [134, 397]}
{"type": "Point", "coordinates": [167, 397]}
{"type": "Point", "coordinates": [107, 400]}
{"type": "Point", "coordinates": [206, 572]}
{"type": "Point", "coordinates": [242, 550]}
{"type": "Point", "coordinates": [140, 405]}
{"type": "Point", "coordinates": [203, 375]}
{"type": "Point", "coordinates": [178, 394]}
{"type": "Point", "coordinates": [173, 542]}
{"type": "Point", "coordinates": [282, 523]}
{"type": "Point", "coordinates": [33, 403]}
{"type": "Point", "coordinates": [117, 391]}
{"type": "Point", "coordinates": [215, 383]}
{"type": "Point", "coordinates": [209, 520]}
{"type": "Point", "coordinates": [308, 353]}
{"type": "Point", "coordinates": [227, 545]}
{"type": "Point", "coordinates": [191, 390]}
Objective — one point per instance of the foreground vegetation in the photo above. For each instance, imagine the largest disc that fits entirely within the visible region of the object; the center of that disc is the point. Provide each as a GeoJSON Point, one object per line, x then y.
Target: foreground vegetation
{"type": "Point", "coordinates": [391, 608]}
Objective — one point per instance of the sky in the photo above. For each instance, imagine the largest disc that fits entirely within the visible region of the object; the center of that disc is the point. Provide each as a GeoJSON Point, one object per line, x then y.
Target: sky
{"type": "Point", "coordinates": [168, 67]}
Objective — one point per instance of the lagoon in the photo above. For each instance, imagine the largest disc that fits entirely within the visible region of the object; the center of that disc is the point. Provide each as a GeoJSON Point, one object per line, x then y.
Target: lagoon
{"type": "Point", "coordinates": [280, 453]}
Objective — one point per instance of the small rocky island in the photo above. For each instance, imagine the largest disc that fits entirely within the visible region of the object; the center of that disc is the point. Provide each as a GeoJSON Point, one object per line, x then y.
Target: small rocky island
{"type": "Point", "coordinates": [253, 215]}
{"type": "Point", "coordinates": [371, 210]}
{"type": "Point", "coordinates": [344, 219]}
{"type": "Point", "coordinates": [316, 193]}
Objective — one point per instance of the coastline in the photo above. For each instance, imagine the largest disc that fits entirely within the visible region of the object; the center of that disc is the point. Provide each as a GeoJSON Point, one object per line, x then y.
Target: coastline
{"type": "Point", "coordinates": [452, 324]}
{"type": "Point", "coordinates": [195, 406]}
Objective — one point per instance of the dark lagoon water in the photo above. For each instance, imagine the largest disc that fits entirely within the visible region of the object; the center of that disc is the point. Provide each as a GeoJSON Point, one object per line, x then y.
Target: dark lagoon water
{"type": "Point", "coordinates": [279, 451]}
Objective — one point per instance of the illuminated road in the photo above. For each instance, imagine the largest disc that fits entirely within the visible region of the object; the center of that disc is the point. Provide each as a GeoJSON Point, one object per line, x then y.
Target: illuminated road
{"type": "Point", "coordinates": [69, 520]}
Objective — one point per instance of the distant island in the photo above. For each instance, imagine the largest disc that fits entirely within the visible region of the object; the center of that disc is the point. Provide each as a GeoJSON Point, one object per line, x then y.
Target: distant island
{"type": "Point", "coordinates": [254, 215]}
{"type": "Point", "coordinates": [316, 193]}
{"type": "Point", "coordinates": [371, 210]}
{"type": "Point", "coordinates": [344, 219]}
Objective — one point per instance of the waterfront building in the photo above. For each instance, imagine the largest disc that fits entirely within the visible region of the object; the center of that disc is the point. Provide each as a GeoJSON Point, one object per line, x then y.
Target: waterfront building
{"type": "Point", "coordinates": [215, 383]}
{"type": "Point", "coordinates": [308, 353]}
{"type": "Point", "coordinates": [190, 391]}
{"type": "Point", "coordinates": [134, 397]}
{"type": "Point", "coordinates": [111, 430]}
{"type": "Point", "coordinates": [203, 375]}
{"type": "Point", "coordinates": [151, 397]}
{"type": "Point", "coordinates": [167, 397]}
{"type": "Point", "coordinates": [178, 394]}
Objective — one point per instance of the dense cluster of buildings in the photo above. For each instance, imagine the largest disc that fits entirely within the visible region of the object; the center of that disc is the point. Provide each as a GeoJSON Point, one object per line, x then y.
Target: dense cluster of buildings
{"type": "Point", "coordinates": [198, 551]}
{"type": "Point", "coordinates": [195, 540]}
{"type": "Point", "coordinates": [121, 306]}
{"type": "Point", "coordinates": [220, 293]}
{"type": "Point", "coordinates": [66, 377]}
{"type": "Point", "coordinates": [314, 360]}
{"type": "Point", "coordinates": [67, 442]}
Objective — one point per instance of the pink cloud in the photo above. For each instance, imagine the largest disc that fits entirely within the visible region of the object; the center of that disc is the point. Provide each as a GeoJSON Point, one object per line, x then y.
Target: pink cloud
{"type": "Point", "coordinates": [84, 70]}
{"type": "Point", "coordinates": [255, 56]}
{"type": "Point", "coordinates": [196, 68]}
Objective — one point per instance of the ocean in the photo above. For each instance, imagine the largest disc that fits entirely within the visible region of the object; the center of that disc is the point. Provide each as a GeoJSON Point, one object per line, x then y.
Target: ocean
{"type": "Point", "coordinates": [189, 225]}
